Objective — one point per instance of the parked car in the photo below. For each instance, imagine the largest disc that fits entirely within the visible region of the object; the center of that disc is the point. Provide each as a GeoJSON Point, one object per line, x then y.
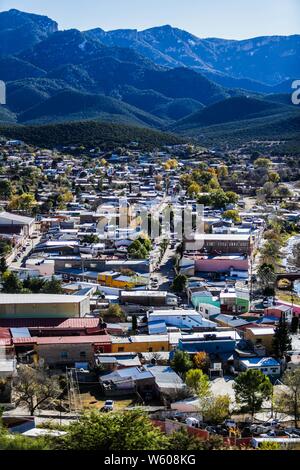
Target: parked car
{"type": "Point", "coordinates": [108, 405]}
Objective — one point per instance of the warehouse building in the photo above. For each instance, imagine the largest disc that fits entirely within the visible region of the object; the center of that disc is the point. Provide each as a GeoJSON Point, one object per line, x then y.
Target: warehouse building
{"type": "Point", "coordinates": [43, 305]}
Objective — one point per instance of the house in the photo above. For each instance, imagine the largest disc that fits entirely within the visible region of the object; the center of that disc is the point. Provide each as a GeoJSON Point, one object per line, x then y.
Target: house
{"type": "Point", "coordinates": [260, 337]}
{"type": "Point", "coordinates": [219, 345]}
{"type": "Point", "coordinates": [16, 224]}
{"type": "Point", "coordinates": [140, 344]}
{"type": "Point", "coordinates": [228, 321]}
{"type": "Point", "coordinates": [268, 365]}
{"type": "Point", "coordinates": [8, 368]}
{"type": "Point", "coordinates": [168, 383]}
{"type": "Point", "coordinates": [293, 361]}
{"type": "Point", "coordinates": [234, 301]}
{"type": "Point", "coordinates": [43, 305]}
{"type": "Point", "coordinates": [217, 244]}
{"type": "Point", "coordinates": [127, 382]}
{"type": "Point", "coordinates": [280, 311]}
{"type": "Point", "coordinates": [117, 361]}
{"type": "Point", "coordinates": [147, 380]}
{"type": "Point", "coordinates": [233, 266]}
{"type": "Point", "coordinates": [67, 350]}
{"type": "Point", "coordinates": [148, 298]}
{"type": "Point", "coordinates": [181, 318]}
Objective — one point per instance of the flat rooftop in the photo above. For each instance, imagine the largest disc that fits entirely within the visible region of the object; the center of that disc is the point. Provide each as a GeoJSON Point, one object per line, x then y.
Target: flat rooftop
{"type": "Point", "coordinates": [20, 299]}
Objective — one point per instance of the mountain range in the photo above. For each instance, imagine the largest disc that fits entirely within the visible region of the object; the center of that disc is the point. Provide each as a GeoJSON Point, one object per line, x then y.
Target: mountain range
{"type": "Point", "coordinates": [163, 77]}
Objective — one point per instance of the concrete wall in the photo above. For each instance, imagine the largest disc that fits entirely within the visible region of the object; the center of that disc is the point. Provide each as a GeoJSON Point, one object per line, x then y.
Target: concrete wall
{"type": "Point", "coordinates": [55, 310]}
{"type": "Point", "coordinates": [53, 353]}
{"type": "Point", "coordinates": [221, 265]}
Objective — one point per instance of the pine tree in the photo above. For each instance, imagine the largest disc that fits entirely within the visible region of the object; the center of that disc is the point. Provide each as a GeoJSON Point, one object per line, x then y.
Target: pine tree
{"type": "Point", "coordinates": [3, 265]}
{"type": "Point", "coordinates": [282, 340]}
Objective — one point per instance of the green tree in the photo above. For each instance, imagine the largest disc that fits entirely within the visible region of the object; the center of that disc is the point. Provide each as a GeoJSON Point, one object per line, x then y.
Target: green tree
{"type": "Point", "coordinates": [181, 440]}
{"type": "Point", "coordinates": [232, 215]}
{"type": "Point", "coordinates": [24, 202]}
{"type": "Point", "coordinates": [194, 189]}
{"type": "Point", "coordinates": [251, 389]}
{"type": "Point", "coordinates": [282, 341]}
{"type": "Point", "coordinates": [217, 409]}
{"type": "Point", "coordinates": [11, 284]}
{"type": "Point", "coordinates": [263, 163]}
{"type": "Point", "coordinates": [181, 362]}
{"type": "Point", "coordinates": [123, 431]}
{"type": "Point", "coordinates": [91, 239]}
{"type": "Point", "coordinates": [5, 189]}
{"type": "Point", "coordinates": [53, 286]}
{"type": "Point", "coordinates": [3, 265]}
{"type": "Point", "coordinates": [268, 445]}
{"type": "Point", "coordinates": [115, 310]}
{"type": "Point", "coordinates": [198, 382]}
{"type": "Point", "coordinates": [232, 197]}
{"type": "Point", "coordinates": [134, 323]}
{"type": "Point", "coordinates": [180, 283]}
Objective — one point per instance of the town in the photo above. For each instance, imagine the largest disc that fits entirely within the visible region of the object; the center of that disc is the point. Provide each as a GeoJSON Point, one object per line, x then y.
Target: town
{"type": "Point", "coordinates": [164, 282]}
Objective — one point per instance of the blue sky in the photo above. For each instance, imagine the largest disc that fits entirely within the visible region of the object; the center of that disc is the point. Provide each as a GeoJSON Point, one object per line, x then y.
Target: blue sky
{"type": "Point", "coordinates": [235, 19]}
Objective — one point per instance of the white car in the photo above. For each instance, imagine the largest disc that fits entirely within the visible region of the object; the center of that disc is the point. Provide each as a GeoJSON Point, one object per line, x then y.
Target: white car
{"type": "Point", "coordinates": [109, 405]}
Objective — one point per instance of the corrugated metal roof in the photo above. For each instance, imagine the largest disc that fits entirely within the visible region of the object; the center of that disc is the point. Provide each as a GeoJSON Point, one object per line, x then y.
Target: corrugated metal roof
{"type": "Point", "coordinates": [74, 339]}
{"type": "Point", "coordinates": [22, 299]}
{"type": "Point", "coordinates": [60, 323]}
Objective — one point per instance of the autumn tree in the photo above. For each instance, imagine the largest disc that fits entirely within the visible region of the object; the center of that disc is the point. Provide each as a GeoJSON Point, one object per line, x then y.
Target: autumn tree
{"type": "Point", "coordinates": [201, 361]}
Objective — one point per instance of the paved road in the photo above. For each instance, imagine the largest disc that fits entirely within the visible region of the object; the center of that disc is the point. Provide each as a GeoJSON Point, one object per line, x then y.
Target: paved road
{"type": "Point", "coordinates": [25, 254]}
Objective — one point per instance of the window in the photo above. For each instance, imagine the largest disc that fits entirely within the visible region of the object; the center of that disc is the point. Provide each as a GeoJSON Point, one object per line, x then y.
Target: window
{"type": "Point", "coordinates": [82, 354]}
{"type": "Point", "coordinates": [68, 265]}
{"type": "Point", "coordinates": [274, 371]}
{"type": "Point", "coordinates": [150, 349]}
{"type": "Point", "coordinates": [162, 348]}
{"type": "Point", "coordinates": [120, 349]}
{"type": "Point", "coordinates": [64, 355]}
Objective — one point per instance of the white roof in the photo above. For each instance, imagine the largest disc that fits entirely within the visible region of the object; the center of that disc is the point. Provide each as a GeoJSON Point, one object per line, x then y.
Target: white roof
{"type": "Point", "coordinates": [18, 218]}
{"type": "Point", "coordinates": [225, 237]}
{"type": "Point", "coordinates": [174, 313]}
{"type": "Point", "coordinates": [262, 331]}
{"type": "Point", "coordinates": [12, 299]}
{"type": "Point", "coordinates": [37, 432]}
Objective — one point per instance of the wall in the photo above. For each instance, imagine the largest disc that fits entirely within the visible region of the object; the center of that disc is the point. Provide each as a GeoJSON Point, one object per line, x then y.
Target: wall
{"type": "Point", "coordinates": [221, 265]}
{"type": "Point", "coordinates": [55, 310]}
{"type": "Point", "coordinates": [156, 346]}
{"type": "Point", "coordinates": [51, 353]}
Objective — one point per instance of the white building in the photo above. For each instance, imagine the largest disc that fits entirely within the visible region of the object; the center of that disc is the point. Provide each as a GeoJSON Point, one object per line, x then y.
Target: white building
{"type": "Point", "coordinates": [181, 318]}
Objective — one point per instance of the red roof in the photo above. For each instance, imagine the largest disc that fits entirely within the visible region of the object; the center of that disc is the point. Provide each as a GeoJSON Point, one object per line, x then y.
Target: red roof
{"type": "Point", "coordinates": [61, 323]}
{"type": "Point", "coordinates": [5, 337]}
{"type": "Point", "coordinates": [99, 339]}
{"type": "Point", "coordinates": [5, 333]}
{"type": "Point", "coordinates": [25, 340]}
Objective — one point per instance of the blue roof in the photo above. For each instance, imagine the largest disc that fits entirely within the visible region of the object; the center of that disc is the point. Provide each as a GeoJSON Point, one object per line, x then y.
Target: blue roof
{"type": "Point", "coordinates": [20, 333]}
